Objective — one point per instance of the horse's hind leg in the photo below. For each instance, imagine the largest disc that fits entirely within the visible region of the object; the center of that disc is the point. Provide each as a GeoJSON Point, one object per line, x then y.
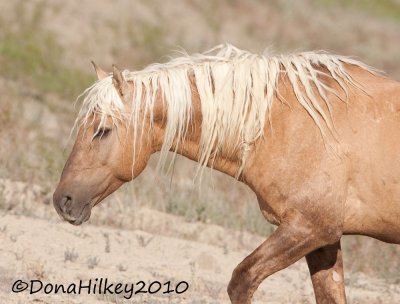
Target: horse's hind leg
{"type": "Point", "coordinates": [295, 237]}
{"type": "Point", "coordinates": [326, 269]}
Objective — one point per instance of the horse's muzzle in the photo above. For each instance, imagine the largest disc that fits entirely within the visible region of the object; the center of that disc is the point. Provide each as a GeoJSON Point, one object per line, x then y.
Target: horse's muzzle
{"type": "Point", "coordinates": [74, 212]}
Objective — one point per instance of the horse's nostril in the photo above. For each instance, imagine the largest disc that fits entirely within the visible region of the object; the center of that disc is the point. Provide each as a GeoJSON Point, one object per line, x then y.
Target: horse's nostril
{"type": "Point", "coordinates": [65, 203]}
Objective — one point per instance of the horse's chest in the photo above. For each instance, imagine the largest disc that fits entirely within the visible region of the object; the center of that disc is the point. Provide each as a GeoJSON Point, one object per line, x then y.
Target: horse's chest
{"type": "Point", "coordinates": [268, 212]}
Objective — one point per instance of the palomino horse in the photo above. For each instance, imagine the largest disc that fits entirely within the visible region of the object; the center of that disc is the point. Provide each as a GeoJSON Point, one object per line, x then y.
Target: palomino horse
{"type": "Point", "coordinates": [315, 136]}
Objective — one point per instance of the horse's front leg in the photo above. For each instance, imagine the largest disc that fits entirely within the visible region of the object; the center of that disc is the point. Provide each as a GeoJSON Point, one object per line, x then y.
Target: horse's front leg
{"type": "Point", "coordinates": [295, 237]}
{"type": "Point", "coordinates": [326, 269]}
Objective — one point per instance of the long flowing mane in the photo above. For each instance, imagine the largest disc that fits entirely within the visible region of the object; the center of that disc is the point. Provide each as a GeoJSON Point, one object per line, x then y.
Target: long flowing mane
{"type": "Point", "coordinates": [236, 88]}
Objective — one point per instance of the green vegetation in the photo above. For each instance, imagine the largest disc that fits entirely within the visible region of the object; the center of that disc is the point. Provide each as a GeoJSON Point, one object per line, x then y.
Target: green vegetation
{"type": "Point", "coordinates": [33, 56]}
{"type": "Point", "coordinates": [383, 8]}
{"type": "Point", "coordinates": [36, 59]}
{"type": "Point", "coordinates": [152, 37]}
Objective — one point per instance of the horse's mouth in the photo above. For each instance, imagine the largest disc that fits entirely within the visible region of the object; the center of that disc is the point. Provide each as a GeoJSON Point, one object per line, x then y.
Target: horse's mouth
{"type": "Point", "coordinates": [82, 217]}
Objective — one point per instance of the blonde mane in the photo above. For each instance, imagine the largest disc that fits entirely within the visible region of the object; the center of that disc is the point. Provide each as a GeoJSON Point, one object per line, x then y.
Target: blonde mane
{"type": "Point", "coordinates": [236, 88]}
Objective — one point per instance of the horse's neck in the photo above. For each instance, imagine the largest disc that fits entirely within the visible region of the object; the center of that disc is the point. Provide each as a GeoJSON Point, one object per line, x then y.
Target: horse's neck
{"type": "Point", "coordinates": [190, 147]}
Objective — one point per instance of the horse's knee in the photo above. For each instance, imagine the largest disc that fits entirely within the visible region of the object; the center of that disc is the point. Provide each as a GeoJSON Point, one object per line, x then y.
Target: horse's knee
{"type": "Point", "coordinates": [297, 235]}
{"type": "Point", "coordinates": [239, 287]}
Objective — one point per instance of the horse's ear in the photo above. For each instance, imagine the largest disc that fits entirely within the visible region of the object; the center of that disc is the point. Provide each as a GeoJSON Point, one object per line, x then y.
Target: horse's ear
{"type": "Point", "coordinates": [119, 82]}
{"type": "Point", "coordinates": [99, 72]}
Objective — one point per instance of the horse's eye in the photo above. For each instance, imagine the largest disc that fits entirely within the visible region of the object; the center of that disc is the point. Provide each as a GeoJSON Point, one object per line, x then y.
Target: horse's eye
{"type": "Point", "coordinates": [102, 132]}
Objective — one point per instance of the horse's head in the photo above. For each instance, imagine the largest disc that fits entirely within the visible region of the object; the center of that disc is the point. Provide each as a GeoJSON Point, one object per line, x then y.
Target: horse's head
{"type": "Point", "coordinates": [103, 156]}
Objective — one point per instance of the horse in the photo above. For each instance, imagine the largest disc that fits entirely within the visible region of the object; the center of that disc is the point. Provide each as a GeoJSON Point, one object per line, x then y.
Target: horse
{"type": "Point", "coordinates": [314, 135]}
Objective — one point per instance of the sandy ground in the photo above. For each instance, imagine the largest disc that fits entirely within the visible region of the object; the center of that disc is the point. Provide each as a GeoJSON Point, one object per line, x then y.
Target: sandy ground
{"type": "Point", "coordinates": [42, 247]}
